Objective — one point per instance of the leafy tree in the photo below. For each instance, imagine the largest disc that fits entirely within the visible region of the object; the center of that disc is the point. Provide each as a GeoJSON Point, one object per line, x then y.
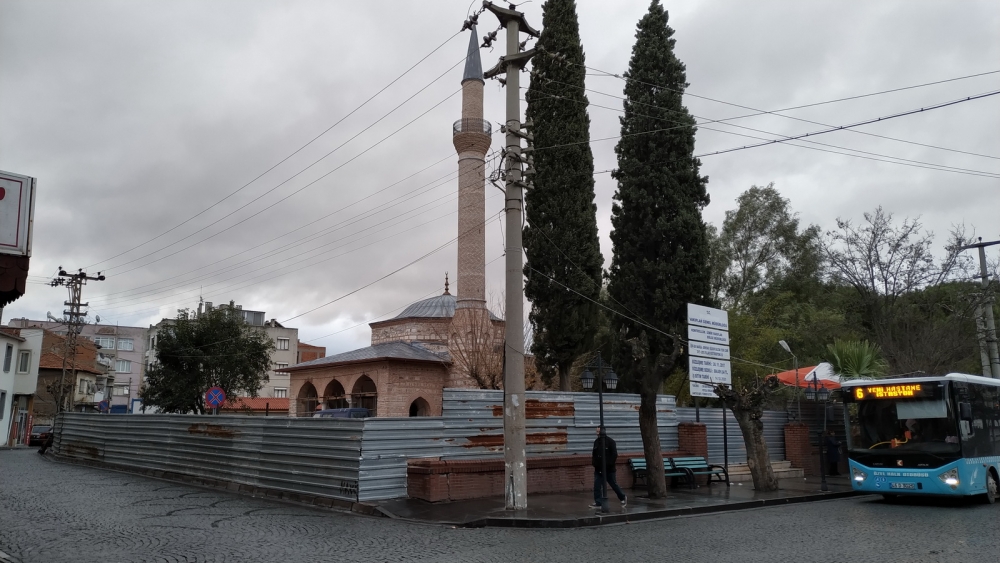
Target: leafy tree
{"type": "Point", "coordinates": [759, 245]}
{"type": "Point", "coordinates": [856, 359]}
{"type": "Point", "coordinates": [560, 240]}
{"type": "Point", "coordinates": [889, 265]}
{"type": "Point", "coordinates": [196, 352]}
{"type": "Point", "coordinates": [661, 255]}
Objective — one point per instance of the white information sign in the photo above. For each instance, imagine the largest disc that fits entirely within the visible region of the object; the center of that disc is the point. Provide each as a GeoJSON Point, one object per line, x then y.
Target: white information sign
{"type": "Point", "coordinates": [708, 317]}
{"type": "Point", "coordinates": [706, 350]}
{"type": "Point", "coordinates": [710, 335]}
{"type": "Point", "coordinates": [17, 205]}
{"type": "Point", "coordinates": [702, 390]}
{"type": "Point", "coordinates": [707, 370]}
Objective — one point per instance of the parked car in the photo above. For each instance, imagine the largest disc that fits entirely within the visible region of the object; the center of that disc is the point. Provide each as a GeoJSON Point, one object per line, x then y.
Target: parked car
{"type": "Point", "coordinates": [356, 412]}
{"type": "Point", "coordinates": [39, 434]}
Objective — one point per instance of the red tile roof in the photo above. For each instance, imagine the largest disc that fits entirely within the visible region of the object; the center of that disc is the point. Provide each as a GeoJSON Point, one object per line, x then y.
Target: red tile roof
{"type": "Point", "coordinates": [55, 361]}
{"type": "Point", "coordinates": [256, 404]}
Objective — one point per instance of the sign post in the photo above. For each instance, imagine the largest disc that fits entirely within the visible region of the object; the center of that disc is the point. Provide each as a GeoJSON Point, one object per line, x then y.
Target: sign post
{"type": "Point", "coordinates": [709, 361]}
{"type": "Point", "coordinates": [214, 398]}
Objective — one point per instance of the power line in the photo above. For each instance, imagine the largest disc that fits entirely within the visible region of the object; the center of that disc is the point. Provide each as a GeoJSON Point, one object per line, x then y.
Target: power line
{"type": "Point", "coordinates": [777, 112]}
{"type": "Point", "coordinates": [701, 125]}
{"type": "Point", "coordinates": [814, 133]}
{"type": "Point", "coordinates": [367, 214]}
{"type": "Point", "coordinates": [314, 139]}
{"type": "Point", "coordinates": [273, 205]}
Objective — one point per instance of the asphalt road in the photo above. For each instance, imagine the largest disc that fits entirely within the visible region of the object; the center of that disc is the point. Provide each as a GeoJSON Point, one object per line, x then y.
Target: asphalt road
{"type": "Point", "coordinates": [52, 512]}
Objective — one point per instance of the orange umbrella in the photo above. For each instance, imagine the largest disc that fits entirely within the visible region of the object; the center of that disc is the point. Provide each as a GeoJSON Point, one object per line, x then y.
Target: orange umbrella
{"type": "Point", "coordinates": [822, 375]}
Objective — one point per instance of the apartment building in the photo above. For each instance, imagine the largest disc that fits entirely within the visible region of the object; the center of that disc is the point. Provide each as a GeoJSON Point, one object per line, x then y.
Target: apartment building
{"type": "Point", "coordinates": [121, 350]}
{"type": "Point", "coordinates": [286, 345]}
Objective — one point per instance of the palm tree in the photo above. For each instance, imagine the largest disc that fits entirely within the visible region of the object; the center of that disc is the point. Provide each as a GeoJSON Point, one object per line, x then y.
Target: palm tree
{"type": "Point", "coordinates": [856, 359]}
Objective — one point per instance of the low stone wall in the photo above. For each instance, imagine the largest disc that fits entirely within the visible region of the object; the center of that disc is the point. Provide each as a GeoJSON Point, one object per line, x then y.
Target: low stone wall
{"type": "Point", "coordinates": [436, 480]}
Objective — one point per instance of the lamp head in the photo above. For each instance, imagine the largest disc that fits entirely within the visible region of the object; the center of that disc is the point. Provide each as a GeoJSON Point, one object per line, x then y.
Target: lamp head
{"type": "Point", "coordinates": [785, 346]}
{"type": "Point", "coordinates": [611, 380]}
{"type": "Point", "coordinates": [823, 394]}
{"type": "Point", "coordinates": [587, 379]}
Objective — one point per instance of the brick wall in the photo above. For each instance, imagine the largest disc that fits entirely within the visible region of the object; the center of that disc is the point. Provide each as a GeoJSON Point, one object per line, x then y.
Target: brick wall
{"type": "Point", "coordinates": [799, 449]}
{"type": "Point", "coordinates": [692, 439]}
{"type": "Point", "coordinates": [435, 480]}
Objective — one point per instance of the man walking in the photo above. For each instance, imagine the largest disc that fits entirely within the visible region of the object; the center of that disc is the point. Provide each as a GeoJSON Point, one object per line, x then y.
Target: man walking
{"type": "Point", "coordinates": [610, 450]}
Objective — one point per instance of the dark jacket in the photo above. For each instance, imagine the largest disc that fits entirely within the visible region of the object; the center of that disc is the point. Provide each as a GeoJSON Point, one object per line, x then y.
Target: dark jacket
{"type": "Point", "coordinates": [832, 449]}
{"type": "Point", "coordinates": [610, 453]}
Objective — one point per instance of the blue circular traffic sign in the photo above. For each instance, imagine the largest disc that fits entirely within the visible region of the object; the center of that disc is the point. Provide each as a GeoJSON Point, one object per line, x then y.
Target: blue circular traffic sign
{"type": "Point", "coordinates": [214, 397]}
{"type": "Point", "coordinates": [103, 406]}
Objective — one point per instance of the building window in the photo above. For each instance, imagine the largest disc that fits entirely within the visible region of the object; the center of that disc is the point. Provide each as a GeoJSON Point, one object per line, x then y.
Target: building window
{"type": "Point", "coordinates": [280, 393]}
{"type": "Point", "coordinates": [9, 355]}
{"type": "Point", "coordinates": [123, 366]}
{"type": "Point", "coordinates": [152, 342]}
{"type": "Point", "coordinates": [24, 361]}
{"type": "Point", "coordinates": [3, 402]}
{"type": "Point", "coordinates": [121, 390]}
{"type": "Point", "coordinates": [282, 344]}
{"type": "Point", "coordinates": [105, 342]}
{"type": "Point", "coordinates": [280, 365]}
{"type": "Point", "coordinates": [126, 344]}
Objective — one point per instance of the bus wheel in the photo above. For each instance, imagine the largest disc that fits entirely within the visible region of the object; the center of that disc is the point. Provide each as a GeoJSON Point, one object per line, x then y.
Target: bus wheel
{"type": "Point", "coordinates": [991, 487]}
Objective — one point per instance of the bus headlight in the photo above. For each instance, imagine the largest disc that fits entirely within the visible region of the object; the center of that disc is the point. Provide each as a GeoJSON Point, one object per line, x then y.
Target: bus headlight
{"type": "Point", "coordinates": [950, 478]}
{"type": "Point", "coordinates": [858, 475]}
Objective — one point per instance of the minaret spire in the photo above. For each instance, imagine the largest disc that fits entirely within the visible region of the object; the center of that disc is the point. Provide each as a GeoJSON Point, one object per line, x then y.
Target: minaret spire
{"type": "Point", "coordinates": [473, 64]}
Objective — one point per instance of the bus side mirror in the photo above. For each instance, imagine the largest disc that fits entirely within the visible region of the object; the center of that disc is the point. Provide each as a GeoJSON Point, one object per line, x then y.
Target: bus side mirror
{"type": "Point", "coordinates": [965, 411]}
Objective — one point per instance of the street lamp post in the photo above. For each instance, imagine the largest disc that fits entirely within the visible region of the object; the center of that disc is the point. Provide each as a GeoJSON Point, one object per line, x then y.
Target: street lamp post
{"type": "Point", "coordinates": [795, 362]}
{"type": "Point", "coordinates": [821, 394]}
{"type": "Point", "coordinates": [605, 376]}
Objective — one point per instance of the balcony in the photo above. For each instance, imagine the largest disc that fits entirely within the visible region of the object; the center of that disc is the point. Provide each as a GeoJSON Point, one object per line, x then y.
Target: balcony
{"type": "Point", "coordinates": [472, 125]}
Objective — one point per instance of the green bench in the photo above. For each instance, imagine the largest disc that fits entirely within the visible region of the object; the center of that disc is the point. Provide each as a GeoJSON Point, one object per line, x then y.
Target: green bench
{"type": "Point", "coordinates": [674, 468]}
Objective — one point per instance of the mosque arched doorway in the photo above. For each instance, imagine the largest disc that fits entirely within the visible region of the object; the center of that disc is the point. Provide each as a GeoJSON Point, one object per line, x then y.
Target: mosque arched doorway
{"type": "Point", "coordinates": [365, 395]}
{"type": "Point", "coordinates": [420, 407]}
{"type": "Point", "coordinates": [307, 400]}
{"type": "Point", "coordinates": [334, 396]}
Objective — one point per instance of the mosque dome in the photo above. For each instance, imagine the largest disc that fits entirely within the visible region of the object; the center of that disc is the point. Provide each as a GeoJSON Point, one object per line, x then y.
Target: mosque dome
{"type": "Point", "coordinates": [441, 306]}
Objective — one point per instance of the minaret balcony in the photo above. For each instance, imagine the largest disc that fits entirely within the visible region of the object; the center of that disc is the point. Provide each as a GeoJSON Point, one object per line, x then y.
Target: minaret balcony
{"type": "Point", "coordinates": [471, 133]}
{"type": "Point", "coordinates": [472, 125]}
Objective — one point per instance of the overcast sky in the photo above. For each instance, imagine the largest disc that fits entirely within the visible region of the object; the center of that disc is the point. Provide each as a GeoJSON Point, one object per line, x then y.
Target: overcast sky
{"type": "Point", "coordinates": [136, 116]}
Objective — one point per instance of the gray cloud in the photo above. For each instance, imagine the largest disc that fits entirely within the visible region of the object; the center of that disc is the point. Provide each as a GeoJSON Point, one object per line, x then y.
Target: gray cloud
{"type": "Point", "coordinates": [135, 116]}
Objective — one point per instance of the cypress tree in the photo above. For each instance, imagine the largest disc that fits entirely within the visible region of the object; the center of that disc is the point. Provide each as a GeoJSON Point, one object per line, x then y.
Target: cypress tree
{"type": "Point", "coordinates": [660, 242]}
{"type": "Point", "coordinates": [560, 241]}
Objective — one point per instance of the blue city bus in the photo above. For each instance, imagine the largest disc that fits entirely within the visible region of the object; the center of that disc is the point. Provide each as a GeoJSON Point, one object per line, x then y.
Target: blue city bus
{"type": "Point", "coordinates": [927, 435]}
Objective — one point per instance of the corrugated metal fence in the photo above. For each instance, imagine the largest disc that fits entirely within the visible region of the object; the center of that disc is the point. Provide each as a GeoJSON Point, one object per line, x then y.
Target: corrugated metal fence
{"type": "Point", "coordinates": [365, 459]}
{"type": "Point", "coordinates": [774, 433]}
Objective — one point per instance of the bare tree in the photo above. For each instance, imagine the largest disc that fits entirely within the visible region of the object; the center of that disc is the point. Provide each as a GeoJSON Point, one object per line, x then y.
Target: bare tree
{"type": "Point", "coordinates": [747, 403]}
{"type": "Point", "coordinates": [476, 347]}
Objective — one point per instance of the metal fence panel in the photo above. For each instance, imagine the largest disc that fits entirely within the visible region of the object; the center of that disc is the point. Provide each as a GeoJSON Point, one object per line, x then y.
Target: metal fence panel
{"type": "Point", "coordinates": [774, 434]}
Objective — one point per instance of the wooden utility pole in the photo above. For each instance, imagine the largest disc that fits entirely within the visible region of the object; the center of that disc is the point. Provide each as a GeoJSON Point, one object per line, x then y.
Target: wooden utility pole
{"type": "Point", "coordinates": [510, 65]}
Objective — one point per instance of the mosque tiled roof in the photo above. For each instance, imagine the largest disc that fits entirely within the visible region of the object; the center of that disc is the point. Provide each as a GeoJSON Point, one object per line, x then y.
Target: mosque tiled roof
{"type": "Point", "coordinates": [386, 351]}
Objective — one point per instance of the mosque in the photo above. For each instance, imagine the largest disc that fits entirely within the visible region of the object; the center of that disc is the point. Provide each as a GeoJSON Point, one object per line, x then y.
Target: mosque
{"type": "Point", "coordinates": [443, 342]}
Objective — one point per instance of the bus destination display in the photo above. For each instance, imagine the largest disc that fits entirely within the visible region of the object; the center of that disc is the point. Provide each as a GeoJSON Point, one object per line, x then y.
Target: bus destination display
{"type": "Point", "coordinates": [909, 391]}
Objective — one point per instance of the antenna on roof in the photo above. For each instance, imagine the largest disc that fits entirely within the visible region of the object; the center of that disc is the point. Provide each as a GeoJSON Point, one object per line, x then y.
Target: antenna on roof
{"type": "Point", "coordinates": [446, 284]}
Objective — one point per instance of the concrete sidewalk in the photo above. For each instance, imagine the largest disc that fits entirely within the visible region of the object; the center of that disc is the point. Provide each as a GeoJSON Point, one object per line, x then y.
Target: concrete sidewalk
{"type": "Point", "coordinates": [570, 510]}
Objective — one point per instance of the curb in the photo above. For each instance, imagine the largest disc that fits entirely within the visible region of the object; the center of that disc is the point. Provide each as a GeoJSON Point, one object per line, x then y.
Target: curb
{"type": "Point", "coordinates": [599, 520]}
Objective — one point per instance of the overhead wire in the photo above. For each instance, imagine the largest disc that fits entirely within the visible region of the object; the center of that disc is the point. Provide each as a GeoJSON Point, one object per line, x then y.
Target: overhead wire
{"type": "Point", "coordinates": [701, 125]}
{"type": "Point", "coordinates": [314, 139]}
{"type": "Point", "coordinates": [285, 198]}
{"type": "Point", "coordinates": [777, 112]}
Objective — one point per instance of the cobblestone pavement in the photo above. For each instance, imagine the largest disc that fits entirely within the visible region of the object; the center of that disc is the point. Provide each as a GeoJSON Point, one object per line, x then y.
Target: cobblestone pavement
{"type": "Point", "coordinates": [52, 512]}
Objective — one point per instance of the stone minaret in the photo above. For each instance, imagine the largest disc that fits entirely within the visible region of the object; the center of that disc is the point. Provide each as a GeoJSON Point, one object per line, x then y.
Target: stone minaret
{"type": "Point", "coordinates": [471, 136]}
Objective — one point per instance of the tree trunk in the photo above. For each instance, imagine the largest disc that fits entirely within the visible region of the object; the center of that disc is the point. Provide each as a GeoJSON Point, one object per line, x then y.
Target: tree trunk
{"type": "Point", "coordinates": [757, 456]}
{"type": "Point", "coordinates": [565, 384]}
{"type": "Point", "coordinates": [651, 443]}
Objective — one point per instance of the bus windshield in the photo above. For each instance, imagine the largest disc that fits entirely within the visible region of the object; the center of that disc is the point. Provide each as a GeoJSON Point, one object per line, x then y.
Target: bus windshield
{"type": "Point", "coordinates": [918, 425]}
